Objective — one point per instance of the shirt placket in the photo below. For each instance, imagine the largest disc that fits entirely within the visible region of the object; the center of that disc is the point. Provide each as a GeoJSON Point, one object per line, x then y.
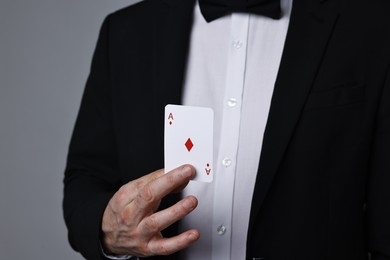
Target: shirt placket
{"type": "Point", "coordinates": [227, 155]}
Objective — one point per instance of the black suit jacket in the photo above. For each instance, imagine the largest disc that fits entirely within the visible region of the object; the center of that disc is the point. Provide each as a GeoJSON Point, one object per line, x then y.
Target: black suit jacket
{"type": "Point", "coordinates": [323, 184]}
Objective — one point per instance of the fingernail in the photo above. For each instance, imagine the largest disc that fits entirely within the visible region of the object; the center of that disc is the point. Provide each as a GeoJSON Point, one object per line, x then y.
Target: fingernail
{"type": "Point", "coordinates": [188, 203]}
{"type": "Point", "coordinates": [193, 236]}
{"type": "Point", "coordinates": [187, 171]}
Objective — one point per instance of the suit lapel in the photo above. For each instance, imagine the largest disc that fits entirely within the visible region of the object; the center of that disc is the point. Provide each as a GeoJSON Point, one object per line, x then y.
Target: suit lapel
{"type": "Point", "coordinates": [171, 43]}
{"type": "Point", "coordinates": [170, 35]}
{"type": "Point", "coordinates": [311, 25]}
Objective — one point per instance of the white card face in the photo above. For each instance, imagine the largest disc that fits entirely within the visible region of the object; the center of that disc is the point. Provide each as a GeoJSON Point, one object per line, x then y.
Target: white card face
{"type": "Point", "coordinates": [189, 139]}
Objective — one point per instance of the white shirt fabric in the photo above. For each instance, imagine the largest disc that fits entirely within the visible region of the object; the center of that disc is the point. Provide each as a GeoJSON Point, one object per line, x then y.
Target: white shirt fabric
{"type": "Point", "coordinates": [232, 68]}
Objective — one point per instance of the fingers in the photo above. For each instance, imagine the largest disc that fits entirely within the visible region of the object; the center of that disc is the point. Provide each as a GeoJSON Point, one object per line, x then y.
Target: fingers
{"type": "Point", "coordinates": [130, 223]}
{"type": "Point", "coordinates": [155, 190]}
{"type": "Point", "coordinates": [163, 219]}
{"type": "Point", "coordinates": [128, 192]}
{"type": "Point", "coordinates": [167, 246]}
{"type": "Point", "coordinates": [149, 177]}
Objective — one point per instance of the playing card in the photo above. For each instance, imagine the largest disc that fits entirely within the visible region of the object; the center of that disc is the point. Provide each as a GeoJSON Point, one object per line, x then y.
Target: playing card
{"type": "Point", "coordinates": [189, 139]}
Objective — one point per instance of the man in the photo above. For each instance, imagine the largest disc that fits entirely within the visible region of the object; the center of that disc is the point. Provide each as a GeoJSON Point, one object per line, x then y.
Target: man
{"type": "Point", "coordinates": [301, 91]}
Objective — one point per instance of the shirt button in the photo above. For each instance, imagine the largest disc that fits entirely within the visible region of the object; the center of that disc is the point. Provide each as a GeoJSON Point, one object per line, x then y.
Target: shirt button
{"type": "Point", "coordinates": [237, 44]}
{"type": "Point", "coordinates": [232, 102]}
{"type": "Point", "coordinates": [226, 162]}
{"type": "Point", "coordinates": [221, 230]}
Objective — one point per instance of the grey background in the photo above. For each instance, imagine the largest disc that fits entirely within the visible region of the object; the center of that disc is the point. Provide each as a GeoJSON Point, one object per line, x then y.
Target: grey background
{"type": "Point", "coordinates": [45, 53]}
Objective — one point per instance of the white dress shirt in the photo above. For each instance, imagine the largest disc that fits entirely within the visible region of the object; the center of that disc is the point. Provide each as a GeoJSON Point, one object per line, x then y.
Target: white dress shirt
{"type": "Point", "coordinates": [232, 68]}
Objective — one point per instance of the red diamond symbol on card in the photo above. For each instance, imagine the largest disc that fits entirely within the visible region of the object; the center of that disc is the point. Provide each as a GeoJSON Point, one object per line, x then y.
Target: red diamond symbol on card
{"type": "Point", "coordinates": [189, 144]}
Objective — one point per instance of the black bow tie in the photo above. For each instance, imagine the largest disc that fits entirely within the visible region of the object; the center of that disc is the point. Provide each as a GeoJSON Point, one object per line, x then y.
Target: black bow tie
{"type": "Point", "coordinates": [214, 9]}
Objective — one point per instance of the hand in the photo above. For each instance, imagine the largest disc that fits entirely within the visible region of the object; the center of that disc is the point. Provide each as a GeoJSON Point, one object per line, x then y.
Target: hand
{"type": "Point", "coordinates": [131, 225]}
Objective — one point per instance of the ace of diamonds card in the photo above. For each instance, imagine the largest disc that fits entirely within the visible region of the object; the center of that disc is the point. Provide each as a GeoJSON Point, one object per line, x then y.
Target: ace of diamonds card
{"type": "Point", "coordinates": [189, 139]}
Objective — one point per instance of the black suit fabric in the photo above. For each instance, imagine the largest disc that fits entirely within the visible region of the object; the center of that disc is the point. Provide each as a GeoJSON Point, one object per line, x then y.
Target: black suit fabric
{"type": "Point", "coordinates": [323, 184]}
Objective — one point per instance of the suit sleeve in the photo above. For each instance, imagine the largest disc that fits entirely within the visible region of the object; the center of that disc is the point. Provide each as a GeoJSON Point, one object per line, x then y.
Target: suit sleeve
{"type": "Point", "coordinates": [378, 203]}
{"type": "Point", "coordinates": [91, 174]}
